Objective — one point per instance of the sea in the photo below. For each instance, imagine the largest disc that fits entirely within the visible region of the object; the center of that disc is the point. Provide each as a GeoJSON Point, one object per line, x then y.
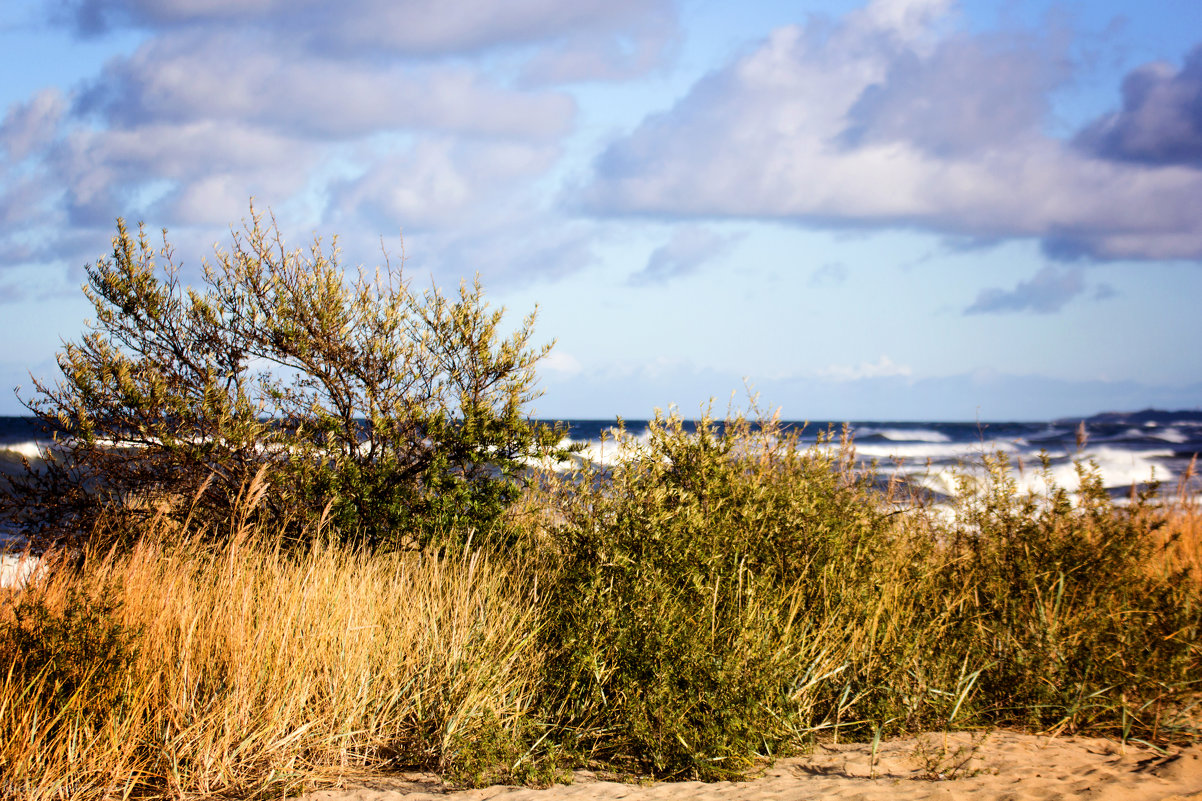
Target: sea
{"type": "Point", "coordinates": [1127, 449]}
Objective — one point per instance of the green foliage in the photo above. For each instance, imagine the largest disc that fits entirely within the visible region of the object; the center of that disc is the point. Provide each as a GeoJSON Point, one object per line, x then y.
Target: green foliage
{"type": "Point", "coordinates": [721, 594]}
{"type": "Point", "coordinates": [494, 751]}
{"type": "Point", "coordinates": [398, 415]}
{"type": "Point", "coordinates": [1066, 604]}
{"type": "Point", "coordinates": [74, 658]}
{"type": "Point", "coordinates": [674, 629]}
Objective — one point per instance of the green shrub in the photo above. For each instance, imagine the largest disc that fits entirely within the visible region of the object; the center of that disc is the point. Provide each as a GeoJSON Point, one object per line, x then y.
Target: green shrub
{"type": "Point", "coordinates": [676, 629]}
{"type": "Point", "coordinates": [728, 593]}
{"type": "Point", "coordinates": [398, 415]}
{"type": "Point", "coordinates": [1067, 606]}
{"type": "Point", "coordinates": [74, 657]}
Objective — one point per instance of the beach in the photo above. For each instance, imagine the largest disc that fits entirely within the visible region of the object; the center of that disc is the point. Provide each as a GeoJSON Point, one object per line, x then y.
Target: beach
{"type": "Point", "coordinates": [1005, 766]}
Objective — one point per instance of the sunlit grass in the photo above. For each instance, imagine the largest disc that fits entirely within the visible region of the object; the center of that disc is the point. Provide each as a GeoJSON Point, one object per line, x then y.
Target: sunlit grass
{"type": "Point", "coordinates": [243, 668]}
{"type": "Point", "coordinates": [716, 597]}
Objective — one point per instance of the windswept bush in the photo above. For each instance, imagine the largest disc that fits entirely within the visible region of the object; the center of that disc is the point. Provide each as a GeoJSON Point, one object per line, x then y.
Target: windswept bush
{"type": "Point", "coordinates": [400, 415]}
{"type": "Point", "coordinates": [1072, 606]}
{"type": "Point", "coordinates": [698, 578]}
{"type": "Point", "coordinates": [726, 593]}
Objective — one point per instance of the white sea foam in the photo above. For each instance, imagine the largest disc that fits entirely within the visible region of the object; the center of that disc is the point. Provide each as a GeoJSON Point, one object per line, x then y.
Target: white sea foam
{"type": "Point", "coordinates": [904, 434]}
{"type": "Point", "coordinates": [1121, 467]}
{"type": "Point", "coordinates": [1116, 466]}
{"type": "Point", "coordinates": [1174, 435]}
{"type": "Point", "coordinates": [16, 570]}
{"type": "Point", "coordinates": [937, 464]}
{"type": "Point", "coordinates": [30, 450]}
{"type": "Point", "coordinates": [16, 567]}
{"type": "Point", "coordinates": [610, 451]}
{"type": "Point", "coordinates": [937, 451]}
{"type": "Point", "coordinates": [943, 481]}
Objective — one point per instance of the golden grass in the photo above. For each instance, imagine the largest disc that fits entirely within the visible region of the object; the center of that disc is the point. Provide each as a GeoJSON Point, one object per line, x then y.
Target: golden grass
{"type": "Point", "coordinates": [190, 662]}
{"type": "Point", "coordinates": [1179, 534]}
{"type": "Point", "coordinates": [259, 669]}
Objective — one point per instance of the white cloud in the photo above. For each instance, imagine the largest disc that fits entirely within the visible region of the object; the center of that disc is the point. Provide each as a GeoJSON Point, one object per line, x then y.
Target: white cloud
{"type": "Point", "coordinates": [103, 171]}
{"type": "Point", "coordinates": [359, 28]}
{"type": "Point", "coordinates": [885, 121]}
{"type": "Point", "coordinates": [883, 368]}
{"type": "Point", "coordinates": [438, 180]}
{"type": "Point", "coordinates": [1048, 291]}
{"type": "Point", "coordinates": [513, 249]}
{"type": "Point", "coordinates": [561, 362]}
{"type": "Point", "coordinates": [645, 43]}
{"type": "Point", "coordinates": [250, 79]}
{"type": "Point", "coordinates": [905, 20]}
{"type": "Point", "coordinates": [372, 115]}
{"type": "Point", "coordinates": [28, 127]}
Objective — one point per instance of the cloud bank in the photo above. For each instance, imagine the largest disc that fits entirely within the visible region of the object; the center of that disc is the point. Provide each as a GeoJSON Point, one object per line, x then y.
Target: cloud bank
{"type": "Point", "coordinates": [373, 115]}
{"type": "Point", "coordinates": [455, 124]}
{"type": "Point", "coordinates": [886, 119]}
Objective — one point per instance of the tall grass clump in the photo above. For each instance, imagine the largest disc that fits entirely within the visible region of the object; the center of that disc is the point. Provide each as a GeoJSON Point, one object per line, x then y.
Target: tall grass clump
{"type": "Point", "coordinates": [1181, 534]}
{"type": "Point", "coordinates": [183, 667]}
{"type": "Point", "coordinates": [726, 593]}
{"type": "Point", "coordinates": [699, 606]}
{"type": "Point", "coordinates": [1077, 612]}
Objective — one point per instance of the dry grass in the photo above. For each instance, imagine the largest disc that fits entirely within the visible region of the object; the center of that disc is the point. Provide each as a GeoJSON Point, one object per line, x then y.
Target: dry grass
{"type": "Point", "coordinates": [681, 615]}
{"type": "Point", "coordinates": [1185, 531]}
{"type": "Point", "coordinates": [254, 669]}
{"type": "Point", "coordinates": [1182, 531]}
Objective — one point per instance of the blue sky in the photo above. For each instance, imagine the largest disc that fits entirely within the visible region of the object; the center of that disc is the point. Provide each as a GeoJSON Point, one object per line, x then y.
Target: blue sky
{"type": "Point", "coordinates": [897, 209]}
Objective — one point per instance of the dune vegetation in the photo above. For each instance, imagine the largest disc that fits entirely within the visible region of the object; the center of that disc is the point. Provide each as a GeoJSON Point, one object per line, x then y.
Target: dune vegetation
{"type": "Point", "coordinates": [714, 599]}
{"type": "Point", "coordinates": [247, 602]}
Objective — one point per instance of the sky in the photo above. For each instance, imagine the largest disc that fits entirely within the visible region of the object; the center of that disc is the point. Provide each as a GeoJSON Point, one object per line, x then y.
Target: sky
{"type": "Point", "coordinates": [854, 209]}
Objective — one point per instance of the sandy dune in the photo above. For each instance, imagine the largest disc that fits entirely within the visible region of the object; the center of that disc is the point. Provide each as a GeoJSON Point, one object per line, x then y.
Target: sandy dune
{"type": "Point", "coordinates": [1006, 767]}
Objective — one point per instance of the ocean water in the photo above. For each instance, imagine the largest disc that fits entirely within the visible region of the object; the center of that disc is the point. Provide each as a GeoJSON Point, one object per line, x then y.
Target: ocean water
{"type": "Point", "coordinates": [1132, 447]}
{"type": "Point", "coordinates": [1127, 448]}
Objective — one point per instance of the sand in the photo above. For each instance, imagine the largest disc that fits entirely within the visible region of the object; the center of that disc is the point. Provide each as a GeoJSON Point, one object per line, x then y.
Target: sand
{"type": "Point", "coordinates": [1006, 766]}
